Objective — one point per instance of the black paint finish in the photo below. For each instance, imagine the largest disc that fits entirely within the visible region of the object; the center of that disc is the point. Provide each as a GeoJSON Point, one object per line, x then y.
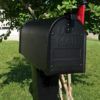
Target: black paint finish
{"type": "Point", "coordinates": [55, 46]}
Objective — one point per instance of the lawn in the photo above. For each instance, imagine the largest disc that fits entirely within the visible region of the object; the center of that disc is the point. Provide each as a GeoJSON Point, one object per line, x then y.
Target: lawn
{"type": "Point", "coordinates": [15, 74]}
{"type": "Point", "coordinates": [87, 86]}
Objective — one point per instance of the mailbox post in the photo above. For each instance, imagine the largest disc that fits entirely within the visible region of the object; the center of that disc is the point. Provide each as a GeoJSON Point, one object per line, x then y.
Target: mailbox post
{"type": "Point", "coordinates": [44, 87]}
{"type": "Point", "coordinates": [54, 46]}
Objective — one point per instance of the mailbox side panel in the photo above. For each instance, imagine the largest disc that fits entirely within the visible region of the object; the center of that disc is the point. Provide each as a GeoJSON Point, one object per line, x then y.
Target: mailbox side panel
{"type": "Point", "coordinates": [34, 42]}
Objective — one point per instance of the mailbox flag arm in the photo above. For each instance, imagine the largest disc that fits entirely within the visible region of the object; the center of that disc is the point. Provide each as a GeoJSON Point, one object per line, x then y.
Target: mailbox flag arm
{"type": "Point", "coordinates": [81, 12]}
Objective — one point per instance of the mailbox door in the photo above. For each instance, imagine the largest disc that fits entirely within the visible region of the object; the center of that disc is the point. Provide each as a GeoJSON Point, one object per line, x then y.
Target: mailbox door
{"type": "Point", "coordinates": [67, 46]}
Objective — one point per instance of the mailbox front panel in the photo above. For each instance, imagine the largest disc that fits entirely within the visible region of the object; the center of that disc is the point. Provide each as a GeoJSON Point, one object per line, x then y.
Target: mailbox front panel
{"type": "Point", "coordinates": [67, 43]}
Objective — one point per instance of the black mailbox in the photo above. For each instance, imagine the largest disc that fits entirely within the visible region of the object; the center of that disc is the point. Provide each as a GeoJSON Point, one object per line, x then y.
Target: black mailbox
{"type": "Point", "coordinates": [55, 45]}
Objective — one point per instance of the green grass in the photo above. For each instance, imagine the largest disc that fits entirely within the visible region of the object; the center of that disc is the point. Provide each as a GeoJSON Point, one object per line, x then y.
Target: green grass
{"type": "Point", "coordinates": [87, 86]}
{"type": "Point", "coordinates": [15, 74]}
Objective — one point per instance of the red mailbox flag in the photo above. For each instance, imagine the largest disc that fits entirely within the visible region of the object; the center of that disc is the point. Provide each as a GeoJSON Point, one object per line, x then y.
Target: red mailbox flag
{"type": "Point", "coordinates": [81, 12]}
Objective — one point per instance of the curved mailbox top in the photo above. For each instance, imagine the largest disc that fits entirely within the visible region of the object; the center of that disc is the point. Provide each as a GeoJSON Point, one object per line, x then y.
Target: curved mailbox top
{"type": "Point", "coordinates": [55, 46]}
